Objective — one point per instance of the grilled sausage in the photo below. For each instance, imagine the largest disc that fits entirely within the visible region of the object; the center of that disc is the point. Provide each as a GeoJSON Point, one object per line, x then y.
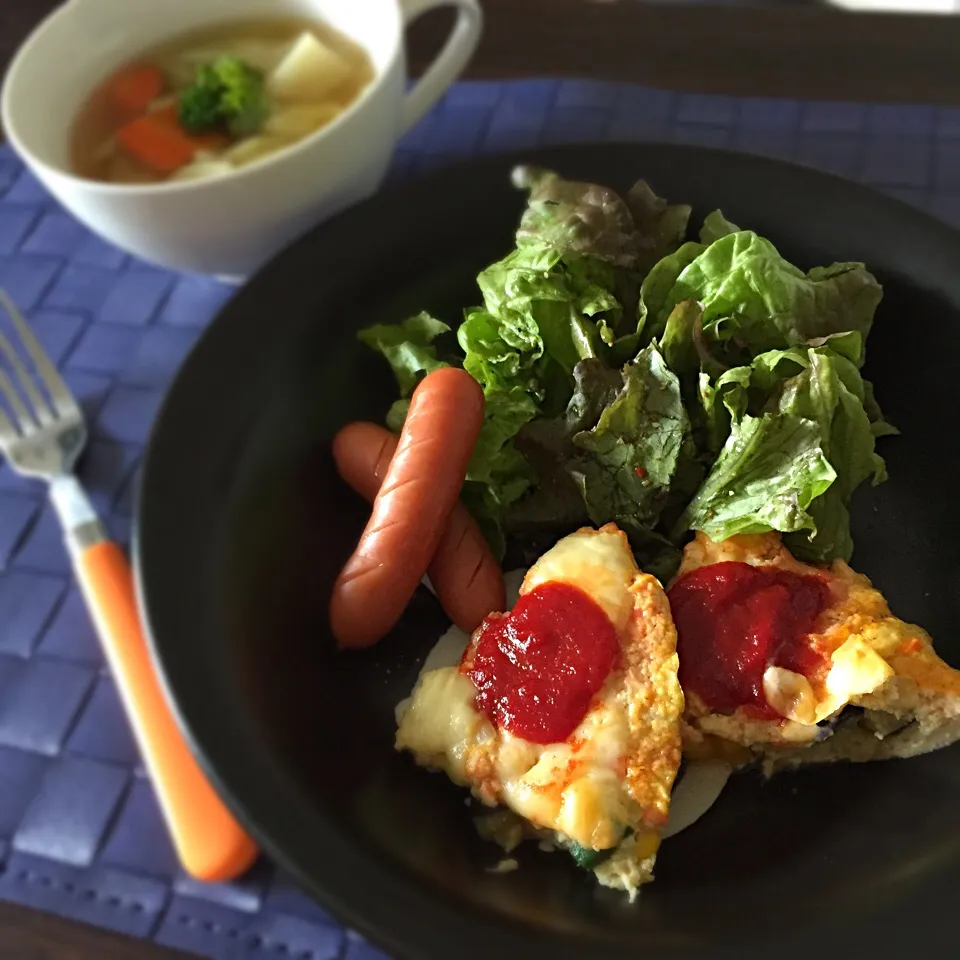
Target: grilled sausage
{"type": "Point", "coordinates": [420, 488]}
{"type": "Point", "coordinates": [463, 572]}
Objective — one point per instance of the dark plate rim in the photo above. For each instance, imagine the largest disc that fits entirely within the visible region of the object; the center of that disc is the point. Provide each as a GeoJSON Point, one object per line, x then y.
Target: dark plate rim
{"type": "Point", "coordinates": [392, 915]}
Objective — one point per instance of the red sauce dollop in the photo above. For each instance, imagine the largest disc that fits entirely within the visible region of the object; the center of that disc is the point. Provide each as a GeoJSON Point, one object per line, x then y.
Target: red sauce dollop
{"type": "Point", "coordinates": [735, 620]}
{"type": "Point", "coordinates": [537, 668]}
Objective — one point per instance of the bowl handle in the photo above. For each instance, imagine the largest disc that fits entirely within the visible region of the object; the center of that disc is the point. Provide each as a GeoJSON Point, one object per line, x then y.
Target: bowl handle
{"type": "Point", "coordinates": [450, 61]}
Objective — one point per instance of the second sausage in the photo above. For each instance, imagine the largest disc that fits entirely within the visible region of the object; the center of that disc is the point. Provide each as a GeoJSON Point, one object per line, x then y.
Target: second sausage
{"type": "Point", "coordinates": [463, 572]}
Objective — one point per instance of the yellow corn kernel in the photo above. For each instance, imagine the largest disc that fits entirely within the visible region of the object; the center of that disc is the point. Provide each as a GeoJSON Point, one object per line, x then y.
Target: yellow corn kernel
{"type": "Point", "coordinates": [647, 845]}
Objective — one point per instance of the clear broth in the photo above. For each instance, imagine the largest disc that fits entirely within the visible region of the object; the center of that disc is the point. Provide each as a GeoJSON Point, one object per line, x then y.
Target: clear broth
{"type": "Point", "coordinates": [96, 155]}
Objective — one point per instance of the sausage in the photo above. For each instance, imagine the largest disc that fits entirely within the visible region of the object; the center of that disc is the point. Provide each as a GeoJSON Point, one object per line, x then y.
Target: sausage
{"type": "Point", "coordinates": [362, 452]}
{"type": "Point", "coordinates": [463, 572]}
{"type": "Point", "coordinates": [421, 487]}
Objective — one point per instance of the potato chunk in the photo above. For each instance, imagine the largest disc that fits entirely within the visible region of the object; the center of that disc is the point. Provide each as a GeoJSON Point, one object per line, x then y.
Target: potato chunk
{"type": "Point", "coordinates": [300, 120]}
{"type": "Point", "coordinates": [309, 72]}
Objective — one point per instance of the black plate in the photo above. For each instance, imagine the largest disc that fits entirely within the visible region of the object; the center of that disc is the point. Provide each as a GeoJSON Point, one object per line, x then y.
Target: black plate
{"type": "Point", "coordinates": [243, 524]}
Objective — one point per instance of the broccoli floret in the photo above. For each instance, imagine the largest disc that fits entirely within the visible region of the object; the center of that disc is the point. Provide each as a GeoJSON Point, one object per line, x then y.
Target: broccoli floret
{"type": "Point", "coordinates": [199, 104]}
{"type": "Point", "coordinates": [226, 93]}
{"type": "Point", "coordinates": [243, 102]}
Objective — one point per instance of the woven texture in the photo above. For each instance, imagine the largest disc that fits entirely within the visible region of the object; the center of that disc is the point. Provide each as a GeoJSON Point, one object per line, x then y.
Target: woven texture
{"type": "Point", "coordinates": [80, 831]}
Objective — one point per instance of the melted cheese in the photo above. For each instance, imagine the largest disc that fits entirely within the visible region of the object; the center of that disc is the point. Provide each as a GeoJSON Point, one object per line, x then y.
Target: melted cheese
{"type": "Point", "coordinates": [615, 772]}
{"type": "Point", "coordinates": [599, 563]}
{"type": "Point", "coordinates": [855, 669]}
{"type": "Point", "coordinates": [441, 723]}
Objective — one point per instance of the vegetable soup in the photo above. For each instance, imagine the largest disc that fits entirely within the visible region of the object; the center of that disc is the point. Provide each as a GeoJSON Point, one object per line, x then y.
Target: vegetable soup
{"type": "Point", "coordinates": [215, 100]}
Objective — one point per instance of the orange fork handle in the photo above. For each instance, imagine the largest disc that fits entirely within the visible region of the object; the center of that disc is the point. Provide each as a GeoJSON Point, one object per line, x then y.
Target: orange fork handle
{"type": "Point", "coordinates": [209, 841]}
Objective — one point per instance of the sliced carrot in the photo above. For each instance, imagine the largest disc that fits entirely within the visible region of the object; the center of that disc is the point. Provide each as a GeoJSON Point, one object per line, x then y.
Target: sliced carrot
{"type": "Point", "coordinates": [156, 144]}
{"type": "Point", "coordinates": [134, 88]}
{"type": "Point", "coordinates": [203, 141]}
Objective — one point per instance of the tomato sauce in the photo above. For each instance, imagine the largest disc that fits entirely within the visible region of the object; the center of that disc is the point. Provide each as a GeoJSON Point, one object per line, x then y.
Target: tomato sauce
{"type": "Point", "coordinates": [734, 620]}
{"type": "Point", "coordinates": [537, 668]}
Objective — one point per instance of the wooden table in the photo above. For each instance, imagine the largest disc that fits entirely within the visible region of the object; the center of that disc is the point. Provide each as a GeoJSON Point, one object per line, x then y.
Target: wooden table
{"type": "Point", "coordinates": [767, 47]}
{"type": "Point", "coordinates": [760, 50]}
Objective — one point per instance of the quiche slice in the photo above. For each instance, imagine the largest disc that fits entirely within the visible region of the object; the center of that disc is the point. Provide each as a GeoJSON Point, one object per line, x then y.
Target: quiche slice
{"type": "Point", "coordinates": [566, 711]}
{"type": "Point", "coordinates": [792, 663]}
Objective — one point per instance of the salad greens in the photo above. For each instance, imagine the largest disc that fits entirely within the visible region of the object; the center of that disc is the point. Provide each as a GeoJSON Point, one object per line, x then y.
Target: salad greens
{"type": "Point", "coordinates": [665, 384]}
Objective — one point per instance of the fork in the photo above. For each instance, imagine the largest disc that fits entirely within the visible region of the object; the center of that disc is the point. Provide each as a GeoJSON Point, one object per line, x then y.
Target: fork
{"type": "Point", "coordinates": [42, 437]}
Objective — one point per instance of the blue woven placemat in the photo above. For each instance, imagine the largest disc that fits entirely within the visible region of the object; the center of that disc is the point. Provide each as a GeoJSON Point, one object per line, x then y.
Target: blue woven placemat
{"type": "Point", "coordinates": [80, 832]}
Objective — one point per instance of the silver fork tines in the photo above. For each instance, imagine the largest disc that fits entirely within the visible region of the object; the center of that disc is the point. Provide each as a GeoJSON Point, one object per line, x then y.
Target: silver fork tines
{"type": "Point", "coordinates": [41, 412]}
{"type": "Point", "coordinates": [59, 391]}
{"type": "Point", "coordinates": [21, 414]}
{"type": "Point", "coordinates": [39, 437]}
